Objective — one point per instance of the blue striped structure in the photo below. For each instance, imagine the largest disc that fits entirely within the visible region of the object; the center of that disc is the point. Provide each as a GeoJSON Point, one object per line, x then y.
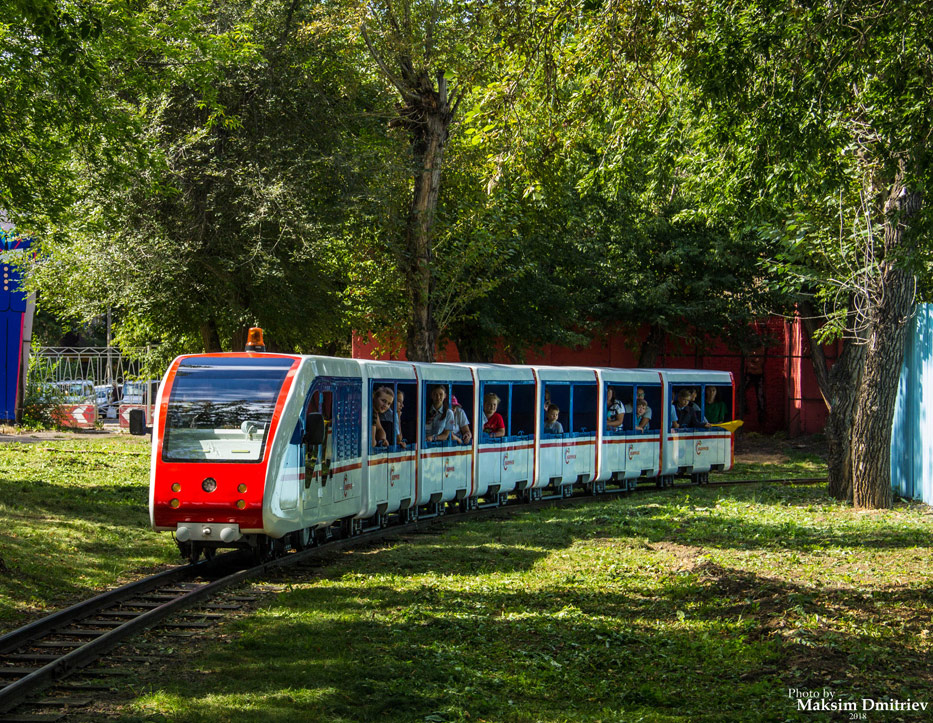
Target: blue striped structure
{"type": "Point", "coordinates": [912, 431]}
{"type": "Point", "coordinates": [12, 315]}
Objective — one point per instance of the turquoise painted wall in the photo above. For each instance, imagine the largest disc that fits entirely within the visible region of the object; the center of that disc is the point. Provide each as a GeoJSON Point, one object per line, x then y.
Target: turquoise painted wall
{"type": "Point", "coordinates": [912, 433]}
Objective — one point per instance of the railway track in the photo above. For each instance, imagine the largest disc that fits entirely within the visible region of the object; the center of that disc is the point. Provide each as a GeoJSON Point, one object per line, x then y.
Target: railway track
{"type": "Point", "coordinates": [47, 651]}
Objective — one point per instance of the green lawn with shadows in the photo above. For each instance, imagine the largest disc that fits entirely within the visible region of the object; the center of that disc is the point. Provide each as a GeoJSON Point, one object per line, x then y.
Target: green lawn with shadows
{"type": "Point", "coordinates": [75, 520]}
{"type": "Point", "coordinates": [698, 604]}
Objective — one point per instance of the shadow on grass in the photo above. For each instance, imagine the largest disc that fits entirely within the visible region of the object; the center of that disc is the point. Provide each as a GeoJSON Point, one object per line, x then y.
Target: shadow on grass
{"type": "Point", "coordinates": [110, 502]}
{"type": "Point", "coordinates": [711, 648]}
{"type": "Point", "coordinates": [690, 516]}
{"type": "Point", "coordinates": [61, 545]}
{"type": "Point", "coordinates": [462, 627]}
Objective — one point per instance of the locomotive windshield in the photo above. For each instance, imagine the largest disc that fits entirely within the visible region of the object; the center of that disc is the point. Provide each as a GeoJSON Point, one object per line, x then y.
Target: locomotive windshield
{"type": "Point", "coordinates": [220, 408]}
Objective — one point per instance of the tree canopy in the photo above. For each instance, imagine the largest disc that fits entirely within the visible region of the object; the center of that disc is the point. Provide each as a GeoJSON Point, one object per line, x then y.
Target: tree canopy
{"type": "Point", "coordinates": [500, 175]}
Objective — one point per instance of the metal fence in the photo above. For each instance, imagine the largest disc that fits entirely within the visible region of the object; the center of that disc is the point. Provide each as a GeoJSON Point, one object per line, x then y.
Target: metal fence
{"type": "Point", "coordinates": [102, 365]}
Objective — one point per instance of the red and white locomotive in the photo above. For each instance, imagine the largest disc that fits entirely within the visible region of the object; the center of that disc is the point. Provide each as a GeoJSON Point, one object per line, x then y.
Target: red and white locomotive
{"type": "Point", "coordinates": [271, 451]}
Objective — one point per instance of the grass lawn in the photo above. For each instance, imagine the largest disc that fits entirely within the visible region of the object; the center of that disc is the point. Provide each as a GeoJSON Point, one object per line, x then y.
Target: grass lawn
{"type": "Point", "coordinates": [693, 604]}
{"type": "Point", "coordinates": [689, 605]}
{"type": "Point", "coordinates": [75, 520]}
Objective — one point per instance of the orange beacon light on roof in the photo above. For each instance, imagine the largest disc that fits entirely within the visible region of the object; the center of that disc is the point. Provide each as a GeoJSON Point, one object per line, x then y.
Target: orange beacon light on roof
{"type": "Point", "coordinates": [254, 340]}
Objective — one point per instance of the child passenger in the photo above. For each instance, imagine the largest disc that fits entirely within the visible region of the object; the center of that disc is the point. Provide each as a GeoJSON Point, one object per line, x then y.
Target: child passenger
{"type": "Point", "coordinates": [383, 417]}
{"type": "Point", "coordinates": [640, 397]}
{"type": "Point", "coordinates": [494, 425]}
{"type": "Point", "coordinates": [642, 415]}
{"type": "Point", "coordinates": [440, 421]}
{"type": "Point", "coordinates": [551, 425]}
{"type": "Point", "coordinates": [461, 422]}
{"type": "Point", "coordinates": [399, 406]}
{"type": "Point", "coordinates": [684, 414]}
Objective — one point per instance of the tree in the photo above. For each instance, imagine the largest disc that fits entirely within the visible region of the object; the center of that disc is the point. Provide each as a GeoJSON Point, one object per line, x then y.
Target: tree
{"type": "Point", "coordinates": [596, 139]}
{"type": "Point", "coordinates": [820, 115]}
{"type": "Point", "coordinates": [49, 73]}
{"type": "Point", "coordinates": [230, 213]}
{"type": "Point", "coordinates": [434, 54]}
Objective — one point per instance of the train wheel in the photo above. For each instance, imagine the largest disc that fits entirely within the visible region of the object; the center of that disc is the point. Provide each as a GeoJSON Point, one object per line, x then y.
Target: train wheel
{"type": "Point", "coordinates": [278, 548]}
{"type": "Point", "coordinates": [187, 550]}
{"type": "Point", "coordinates": [302, 539]}
{"type": "Point", "coordinates": [262, 551]}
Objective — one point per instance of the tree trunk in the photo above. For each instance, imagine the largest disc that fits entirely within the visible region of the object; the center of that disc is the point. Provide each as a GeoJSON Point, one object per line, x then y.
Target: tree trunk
{"type": "Point", "coordinates": [473, 345]}
{"type": "Point", "coordinates": [844, 382]}
{"type": "Point", "coordinates": [210, 337]}
{"type": "Point", "coordinates": [871, 432]}
{"type": "Point", "coordinates": [427, 118]}
{"type": "Point", "coordinates": [838, 385]}
{"type": "Point", "coordinates": [894, 298]}
{"type": "Point", "coordinates": [651, 347]}
{"type": "Point", "coordinates": [239, 338]}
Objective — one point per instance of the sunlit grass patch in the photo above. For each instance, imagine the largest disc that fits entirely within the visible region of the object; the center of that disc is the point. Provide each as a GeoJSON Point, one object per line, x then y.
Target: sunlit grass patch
{"type": "Point", "coordinates": [75, 520]}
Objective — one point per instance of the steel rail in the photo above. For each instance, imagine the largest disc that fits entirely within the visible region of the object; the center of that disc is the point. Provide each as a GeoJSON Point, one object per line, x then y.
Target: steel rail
{"type": "Point", "coordinates": [26, 634]}
{"type": "Point", "coordinates": [16, 692]}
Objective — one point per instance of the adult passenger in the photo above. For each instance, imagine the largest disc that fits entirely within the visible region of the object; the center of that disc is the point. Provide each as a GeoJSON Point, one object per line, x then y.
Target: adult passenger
{"type": "Point", "coordinates": [615, 412]}
{"type": "Point", "coordinates": [715, 411]}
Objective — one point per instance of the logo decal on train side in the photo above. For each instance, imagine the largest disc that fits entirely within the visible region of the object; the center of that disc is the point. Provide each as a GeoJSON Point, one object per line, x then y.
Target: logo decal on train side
{"type": "Point", "coordinates": [568, 456]}
{"type": "Point", "coordinates": [632, 452]}
{"type": "Point", "coordinates": [393, 475]}
{"type": "Point", "coordinates": [449, 470]}
{"type": "Point", "coordinates": [701, 448]}
{"type": "Point", "coordinates": [506, 462]}
{"type": "Point", "coordinates": [347, 486]}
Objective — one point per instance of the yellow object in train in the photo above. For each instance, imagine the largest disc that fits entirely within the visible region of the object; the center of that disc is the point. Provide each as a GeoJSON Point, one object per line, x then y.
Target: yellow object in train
{"type": "Point", "coordinates": [730, 426]}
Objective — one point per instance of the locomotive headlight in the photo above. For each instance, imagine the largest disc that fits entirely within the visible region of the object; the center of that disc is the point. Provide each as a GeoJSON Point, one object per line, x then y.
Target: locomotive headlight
{"type": "Point", "coordinates": [241, 488]}
{"type": "Point", "coordinates": [209, 484]}
{"type": "Point", "coordinates": [240, 504]}
{"type": "Point", "coordinates": [176, 487]}
{"type": "Point", "coordinates": [174, 504]}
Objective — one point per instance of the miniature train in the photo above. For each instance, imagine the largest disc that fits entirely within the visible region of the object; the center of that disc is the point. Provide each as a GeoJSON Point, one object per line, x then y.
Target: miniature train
{"type": "Point", "coordinates": [272, 451]}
